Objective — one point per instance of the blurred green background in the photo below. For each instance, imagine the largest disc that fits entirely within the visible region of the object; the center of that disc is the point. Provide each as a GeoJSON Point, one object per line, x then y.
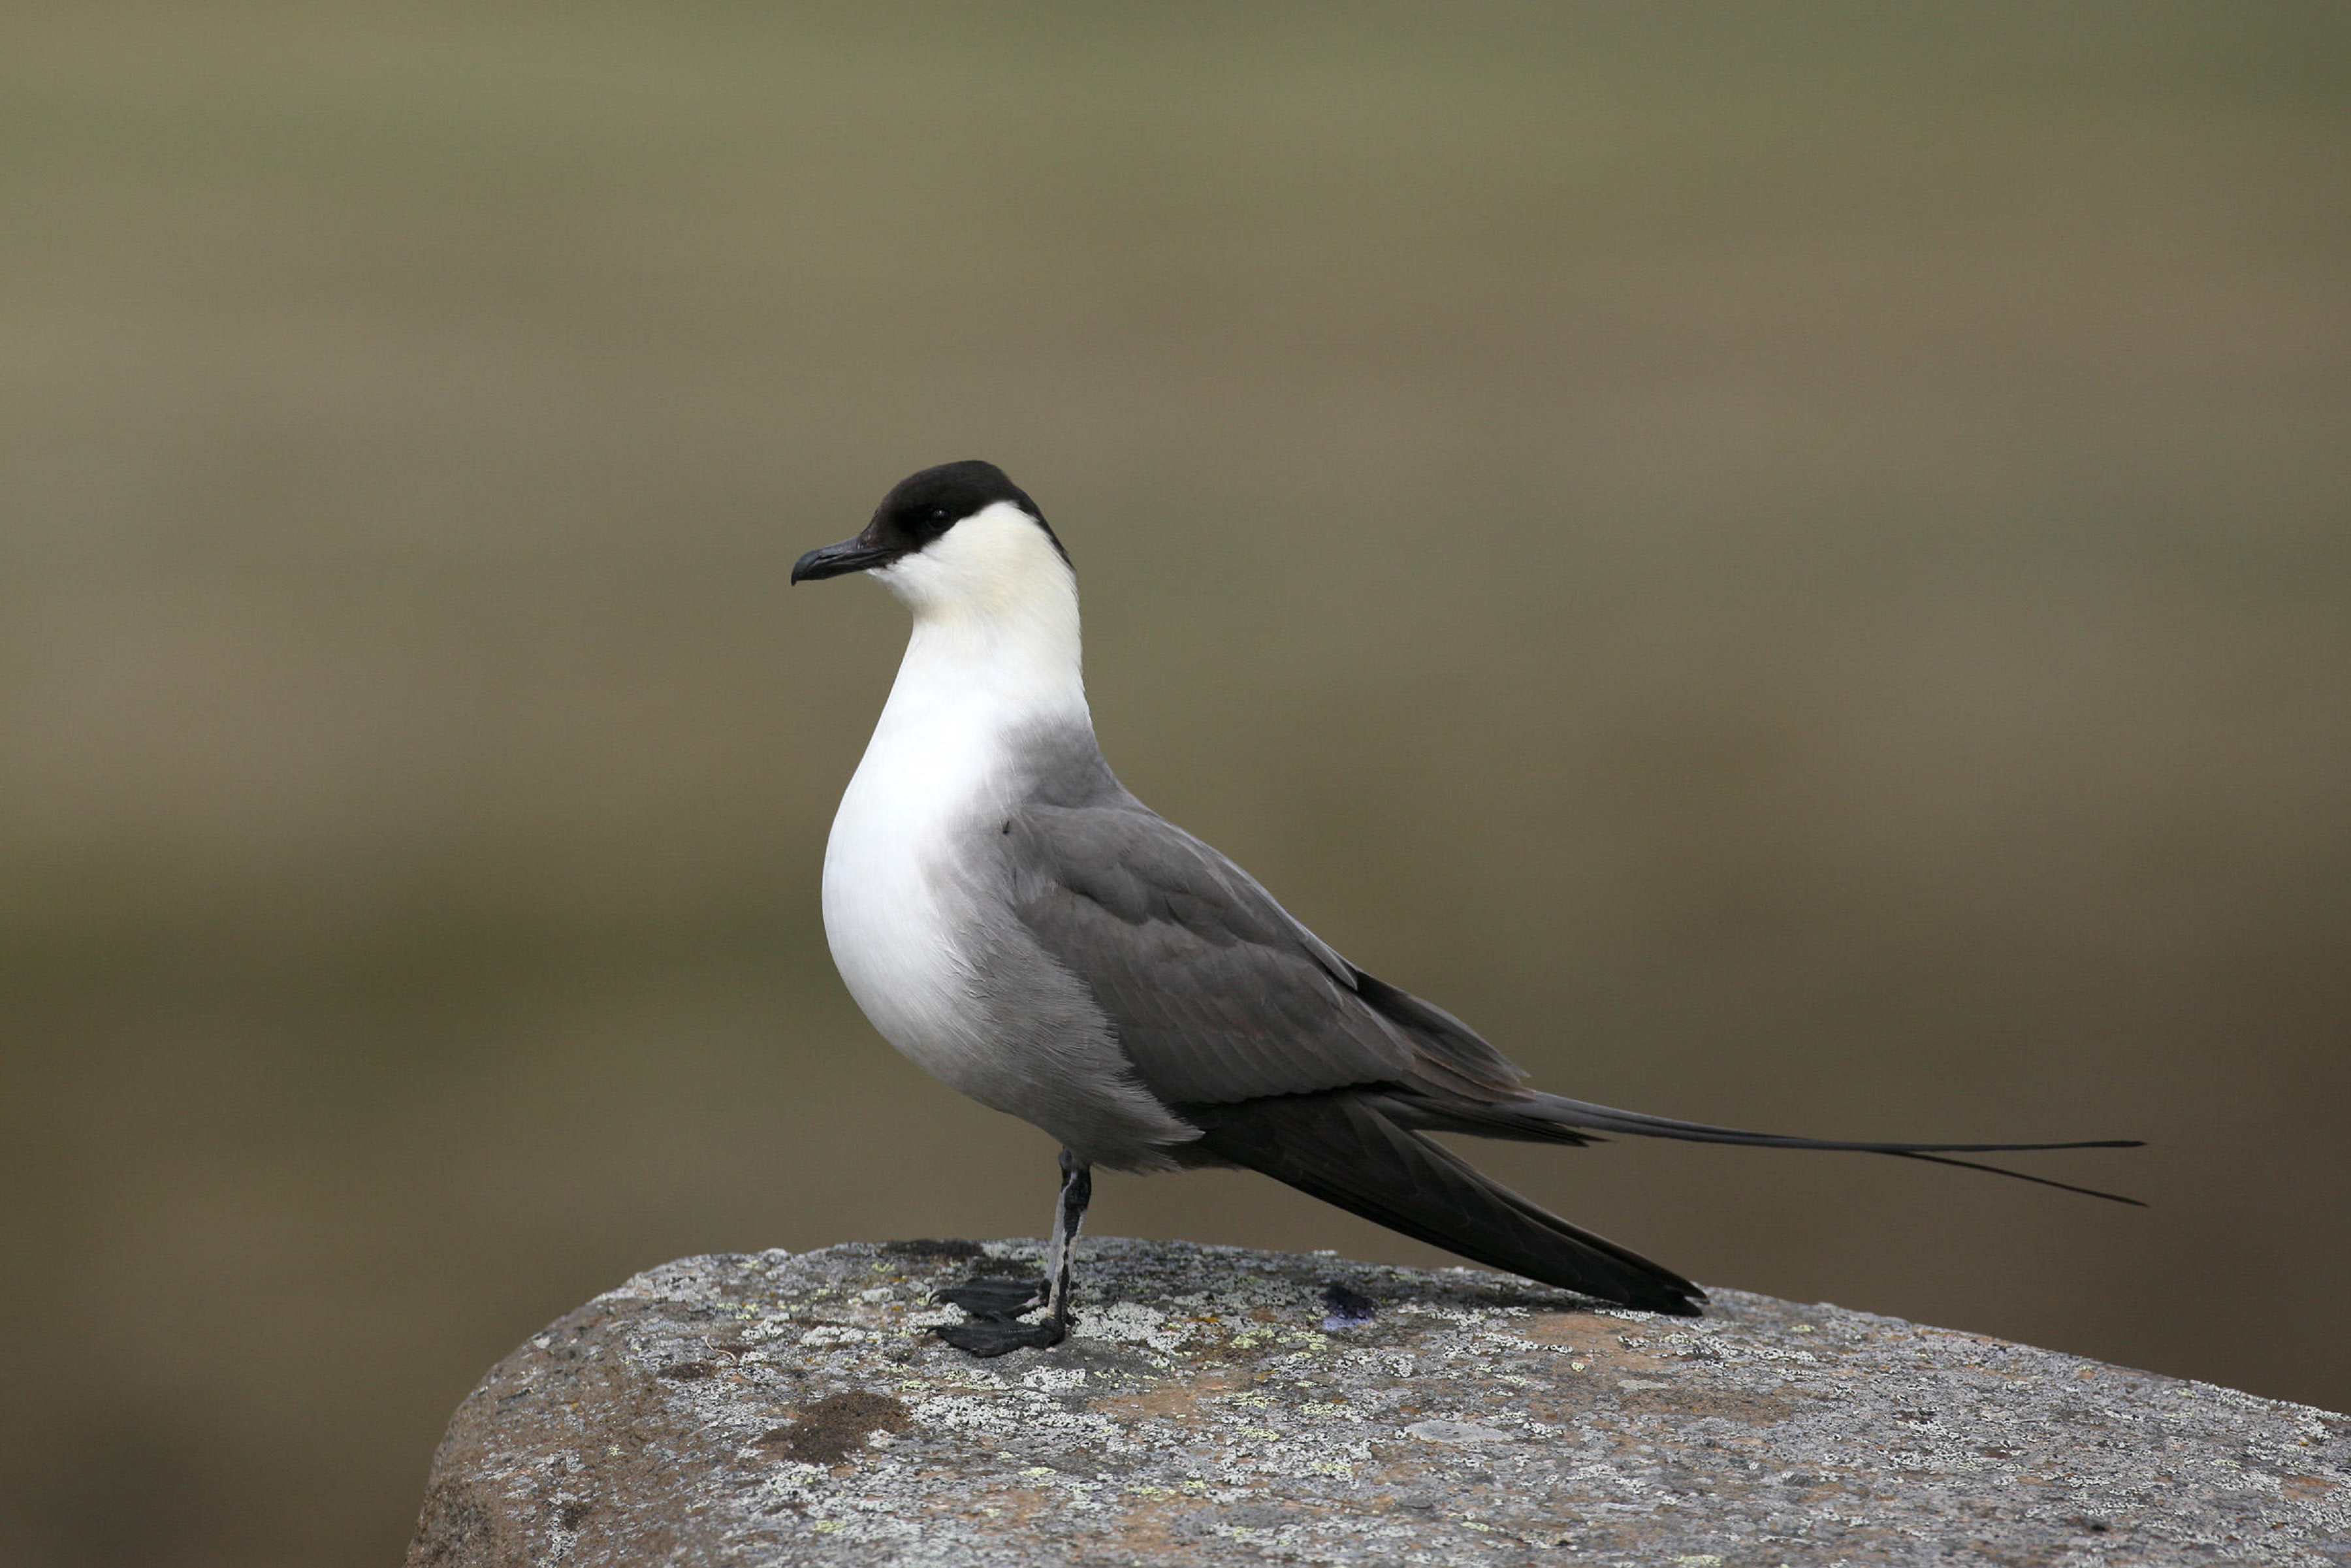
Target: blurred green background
{"type": "Point", "coordinates": [1789, 563]}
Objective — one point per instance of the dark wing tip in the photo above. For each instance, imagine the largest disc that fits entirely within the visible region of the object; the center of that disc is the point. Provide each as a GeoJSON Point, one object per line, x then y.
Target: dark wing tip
{"type": "Point", "coordinates": [1342, 1148]}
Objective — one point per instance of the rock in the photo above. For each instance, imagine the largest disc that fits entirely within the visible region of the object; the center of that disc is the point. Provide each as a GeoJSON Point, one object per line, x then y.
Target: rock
{"type": "Point", "coordinates": [1218, 1405]}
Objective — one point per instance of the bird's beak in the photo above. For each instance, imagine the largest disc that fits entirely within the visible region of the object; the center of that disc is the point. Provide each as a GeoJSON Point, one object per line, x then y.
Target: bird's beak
{"type": "Point", "coordinates": [834, 560]}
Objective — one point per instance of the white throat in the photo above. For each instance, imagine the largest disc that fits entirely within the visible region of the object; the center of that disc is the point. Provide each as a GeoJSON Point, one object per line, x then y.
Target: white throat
{"type": "Point", "coordinates": [996, 627]}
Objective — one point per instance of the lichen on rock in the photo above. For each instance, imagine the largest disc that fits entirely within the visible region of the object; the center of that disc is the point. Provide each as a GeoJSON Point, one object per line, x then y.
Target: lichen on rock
{"type": "Point", "coordinates": [1220, 1406]}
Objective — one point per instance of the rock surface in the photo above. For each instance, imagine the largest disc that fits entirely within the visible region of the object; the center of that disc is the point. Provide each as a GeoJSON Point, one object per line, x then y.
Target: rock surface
{"type": "Point", "coordinates": [1218, 1405]}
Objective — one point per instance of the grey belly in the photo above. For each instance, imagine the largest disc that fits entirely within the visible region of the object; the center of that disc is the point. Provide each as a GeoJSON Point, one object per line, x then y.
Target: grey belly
{"type": "Point", "coordinates": [1046, 1054]}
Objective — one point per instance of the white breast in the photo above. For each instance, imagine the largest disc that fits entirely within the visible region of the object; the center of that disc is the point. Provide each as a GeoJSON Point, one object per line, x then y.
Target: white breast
{"type": "Point", "coordinates": [898, 900]}
{"type": "Point", "coordinates": [994, 654]}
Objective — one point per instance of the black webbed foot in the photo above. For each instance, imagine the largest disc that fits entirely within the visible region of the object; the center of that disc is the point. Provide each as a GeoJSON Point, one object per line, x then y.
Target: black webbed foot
{"type": "Point", "coordinates": [994, 1304]}
{"type": "Point", "coordinates": [987, 1337]}
{"type": "Point", "coordinates": [993, 1296]}
{"type": "Point", "coordinates": [995, 1327]}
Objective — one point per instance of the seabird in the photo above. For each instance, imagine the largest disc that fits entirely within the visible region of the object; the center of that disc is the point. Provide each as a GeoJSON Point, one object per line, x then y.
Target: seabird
{"type": "Point", "coordinates": [1026, 930]}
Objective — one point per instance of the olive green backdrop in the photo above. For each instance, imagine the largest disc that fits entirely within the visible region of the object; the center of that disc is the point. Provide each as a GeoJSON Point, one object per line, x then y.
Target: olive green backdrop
{"type": "Point", "coordinates": [1789, 563]}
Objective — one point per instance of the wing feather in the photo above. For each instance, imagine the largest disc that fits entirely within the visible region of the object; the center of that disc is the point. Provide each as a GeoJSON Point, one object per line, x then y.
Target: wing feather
{"type": "Point", "coordinates": [1216, 994]}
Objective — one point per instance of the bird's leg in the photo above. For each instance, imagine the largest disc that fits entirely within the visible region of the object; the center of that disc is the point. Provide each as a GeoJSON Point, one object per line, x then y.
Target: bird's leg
{"type": "Point", "coordinates": [1077, 1192]}
{"type": "Point", "coordinates": [996, 1304]}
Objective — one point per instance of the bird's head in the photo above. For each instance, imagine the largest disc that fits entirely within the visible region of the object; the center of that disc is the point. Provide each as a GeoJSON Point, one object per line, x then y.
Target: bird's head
{"type": "Point", "coordinates": [960, 537]}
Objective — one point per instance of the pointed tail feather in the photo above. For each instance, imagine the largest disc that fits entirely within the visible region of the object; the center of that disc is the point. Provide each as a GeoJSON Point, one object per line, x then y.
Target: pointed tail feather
{"type": "Point", "coordinates": [1340, 1148]}
{"type": "Point", "coordinates": [1560, 1110]}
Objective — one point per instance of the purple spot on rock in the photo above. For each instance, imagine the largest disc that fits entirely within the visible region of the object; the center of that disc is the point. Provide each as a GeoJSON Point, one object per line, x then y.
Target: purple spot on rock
{"type": "Point", "coordinates": [1346, 1309]}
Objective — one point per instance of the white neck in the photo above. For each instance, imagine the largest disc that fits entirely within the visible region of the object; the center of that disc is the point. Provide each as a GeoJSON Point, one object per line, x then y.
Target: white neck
{"type": "Point", "coordinates": [996, 628]}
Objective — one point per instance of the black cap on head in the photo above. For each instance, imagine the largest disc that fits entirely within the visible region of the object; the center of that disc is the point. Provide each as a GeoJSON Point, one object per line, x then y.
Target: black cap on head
{"type": "Point", "coordinates": [922, 507]}
{"type": "Point", "coordinates": [919, 509]}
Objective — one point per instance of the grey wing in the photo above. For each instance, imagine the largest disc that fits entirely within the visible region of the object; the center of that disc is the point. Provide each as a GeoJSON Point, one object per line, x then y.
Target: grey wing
{"type": "Point", "coordinates": [1216, 994]}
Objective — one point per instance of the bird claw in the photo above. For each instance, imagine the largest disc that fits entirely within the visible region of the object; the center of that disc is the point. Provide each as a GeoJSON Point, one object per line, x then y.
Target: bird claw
{"type": "Point", "coordinates": [994, 1297]}
{"type": "Point", "coordinates": [990, 1337]}
{"type": "Point", "coordinates": [995, 1327]}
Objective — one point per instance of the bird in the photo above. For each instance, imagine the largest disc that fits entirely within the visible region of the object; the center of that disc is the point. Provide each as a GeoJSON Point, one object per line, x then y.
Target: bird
{"type": "Point", "coordinates": [1014, 921]}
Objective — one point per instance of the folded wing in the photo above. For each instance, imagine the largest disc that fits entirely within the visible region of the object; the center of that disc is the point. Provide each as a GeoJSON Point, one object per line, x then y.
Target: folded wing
{"type": "Point", "coordinates": [1220, 997]}
{"type": "Point", "coordinates": [1216, 993]}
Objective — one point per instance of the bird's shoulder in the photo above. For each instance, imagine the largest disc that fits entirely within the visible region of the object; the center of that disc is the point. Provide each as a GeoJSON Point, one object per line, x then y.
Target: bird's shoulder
{"type": "Point", "coordinates": [1216, 992]}
{"type": "Point", "coordinates": [1136, 867]}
